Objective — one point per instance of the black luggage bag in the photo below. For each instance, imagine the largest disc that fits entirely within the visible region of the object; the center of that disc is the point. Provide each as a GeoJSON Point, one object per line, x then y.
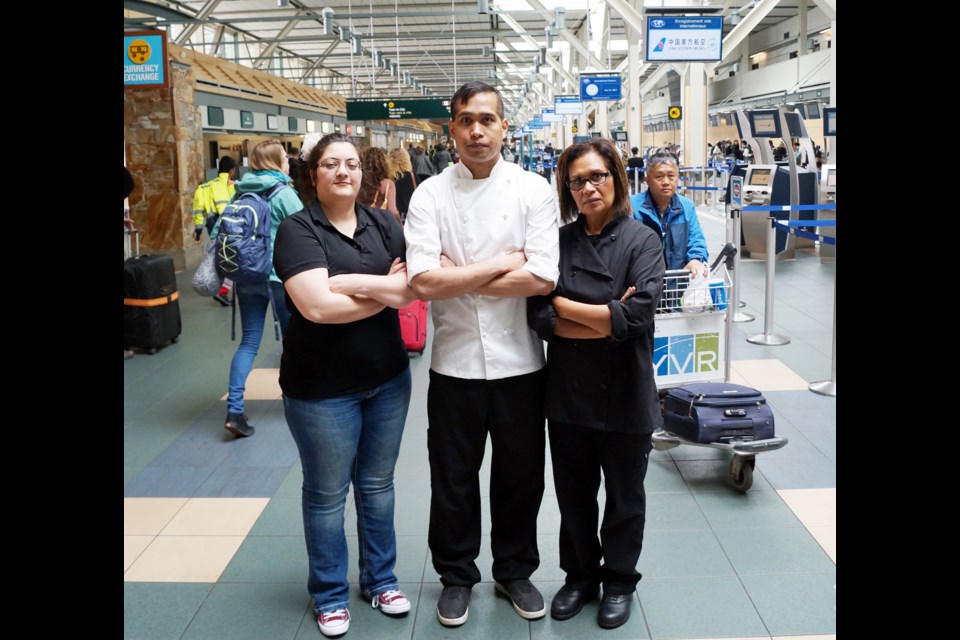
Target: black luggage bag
{"type": "Point", "coordinates": [708, 412]}
{"type": "Point", "coordinates": [151, 309]}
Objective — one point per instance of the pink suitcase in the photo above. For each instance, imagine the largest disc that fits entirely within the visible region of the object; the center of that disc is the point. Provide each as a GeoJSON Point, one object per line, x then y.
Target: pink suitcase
{"type": "Point", "coordinates": [413, 326]}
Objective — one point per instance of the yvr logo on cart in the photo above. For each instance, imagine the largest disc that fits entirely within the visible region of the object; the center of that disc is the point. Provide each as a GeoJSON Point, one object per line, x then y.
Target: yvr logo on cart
{"type": "Point", "coordinates": [690, 353]}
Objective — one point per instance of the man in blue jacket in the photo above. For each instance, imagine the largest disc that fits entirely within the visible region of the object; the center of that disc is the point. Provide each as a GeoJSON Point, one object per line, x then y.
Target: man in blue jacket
{"type": "Point", "coordinates": [672, 216]}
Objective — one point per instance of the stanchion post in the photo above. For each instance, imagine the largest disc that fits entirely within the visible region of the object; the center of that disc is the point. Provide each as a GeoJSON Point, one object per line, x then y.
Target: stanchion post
{"type": "Point", "coordinates": [768, 337]}
{"type": "Point", "coordinates": [735, 304]}
{"type": "Point", "coordinates": [829, 387]}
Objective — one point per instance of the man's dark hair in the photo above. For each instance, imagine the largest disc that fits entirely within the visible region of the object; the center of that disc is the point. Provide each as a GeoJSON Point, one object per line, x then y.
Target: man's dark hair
{"type": "Point", "coordinates": [470, 89]}
{"type": "Point", "coordinates": [634, 150]}
{"type": "Point", "coordinates": [226, 164]}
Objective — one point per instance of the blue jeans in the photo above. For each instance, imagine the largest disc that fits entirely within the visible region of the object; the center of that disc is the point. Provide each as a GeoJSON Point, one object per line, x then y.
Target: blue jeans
{"type": "Point", "coordinates": [352, 438]}
{"type": "Point", "coordinates": [254, 305]}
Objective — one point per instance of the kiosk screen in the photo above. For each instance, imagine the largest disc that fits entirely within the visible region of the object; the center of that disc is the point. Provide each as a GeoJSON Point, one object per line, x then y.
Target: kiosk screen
{"type": "Point", "coordinates": [832, 178]}
{"type": "Point", "coordinates": [760, 178]}
{"type": "Point", "coordinates": [765, 124]}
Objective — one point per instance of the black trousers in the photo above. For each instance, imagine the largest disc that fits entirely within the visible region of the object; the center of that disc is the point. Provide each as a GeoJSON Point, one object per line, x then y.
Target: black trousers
{"type": "Point", "coordinates": [578, 456]}
{"type": "Point", "coordinates": [461, 413]}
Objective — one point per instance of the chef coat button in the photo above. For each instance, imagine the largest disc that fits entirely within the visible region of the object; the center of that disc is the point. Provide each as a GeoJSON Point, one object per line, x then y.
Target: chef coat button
{"type": "Point", "coordinates": [613, 236]}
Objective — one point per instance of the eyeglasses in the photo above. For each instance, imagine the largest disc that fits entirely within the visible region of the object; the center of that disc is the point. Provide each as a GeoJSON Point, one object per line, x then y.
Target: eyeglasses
{"type": "Point", "coordinates": [597, 179]}
{"type": "Point", "coordinates": [333, 165]}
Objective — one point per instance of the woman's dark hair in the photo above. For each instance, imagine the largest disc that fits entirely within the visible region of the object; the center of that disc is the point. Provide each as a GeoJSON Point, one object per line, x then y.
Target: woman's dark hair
{"type": "Point", "coordinates": [375, 169]}
{"type": "Point", "coordinates": [306, 184]}
{"type": "Point", "coordinates": [611, 157]}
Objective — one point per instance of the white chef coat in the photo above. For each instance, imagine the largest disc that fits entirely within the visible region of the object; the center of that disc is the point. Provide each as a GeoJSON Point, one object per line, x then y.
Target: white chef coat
{"type": "Point", "coordinates": [467, 220]}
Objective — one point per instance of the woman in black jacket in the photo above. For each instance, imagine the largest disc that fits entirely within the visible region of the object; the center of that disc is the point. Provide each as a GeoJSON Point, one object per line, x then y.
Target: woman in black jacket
{"type": "Point", "coordinates": [601, 402]}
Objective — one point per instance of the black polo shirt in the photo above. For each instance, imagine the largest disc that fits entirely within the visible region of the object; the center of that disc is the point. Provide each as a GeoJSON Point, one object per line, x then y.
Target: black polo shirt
{"type": "Point", "coordinates": [330, 360]}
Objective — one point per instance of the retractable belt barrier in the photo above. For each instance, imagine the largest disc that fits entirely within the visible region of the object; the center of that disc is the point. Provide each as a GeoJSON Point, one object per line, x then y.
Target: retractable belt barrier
{"type": "Point", "coordinates": [792, 226]}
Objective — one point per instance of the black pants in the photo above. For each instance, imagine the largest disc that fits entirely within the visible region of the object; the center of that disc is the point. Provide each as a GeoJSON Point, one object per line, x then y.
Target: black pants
{"type": "Point", "coordinates": [461, 413]}
{"type": "Point", "coordinates": [578, 456]}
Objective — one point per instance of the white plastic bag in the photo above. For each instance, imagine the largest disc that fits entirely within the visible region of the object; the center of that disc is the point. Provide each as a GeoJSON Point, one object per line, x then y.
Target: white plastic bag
{"type": "Point", "coordinates": [696, 298]}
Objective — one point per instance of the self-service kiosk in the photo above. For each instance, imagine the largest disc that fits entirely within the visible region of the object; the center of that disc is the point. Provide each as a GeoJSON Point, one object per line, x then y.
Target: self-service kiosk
{"type": "Point", "coordinates": [775, 183]}
{"type": "Point", "coordinates": [828, 195]}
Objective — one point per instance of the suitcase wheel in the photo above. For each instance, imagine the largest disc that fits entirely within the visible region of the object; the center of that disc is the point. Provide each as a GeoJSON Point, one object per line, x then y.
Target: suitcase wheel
{"type": "Point", "coordinates": [151, 350]}
{"type": "Point", "coordinates": [741, 471]}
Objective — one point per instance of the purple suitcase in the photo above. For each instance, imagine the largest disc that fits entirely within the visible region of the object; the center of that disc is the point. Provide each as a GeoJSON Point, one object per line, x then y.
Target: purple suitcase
{"type": "Point", "coordinates": [708, 412]}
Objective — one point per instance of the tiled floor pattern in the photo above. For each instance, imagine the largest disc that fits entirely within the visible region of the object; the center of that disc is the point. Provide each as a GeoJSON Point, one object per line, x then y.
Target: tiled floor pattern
{"type": "Point", "coordinates": [213, 541]}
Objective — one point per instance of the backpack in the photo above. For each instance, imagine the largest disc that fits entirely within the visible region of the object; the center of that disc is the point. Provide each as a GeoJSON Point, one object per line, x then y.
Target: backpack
{"type": "Point", "coordinates": [242, 246]}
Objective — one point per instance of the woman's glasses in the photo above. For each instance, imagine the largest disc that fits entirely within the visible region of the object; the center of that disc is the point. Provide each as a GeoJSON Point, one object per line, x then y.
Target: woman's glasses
{"type": "Point", "coordinates": [333, 165]}
{"type": "Point", "coordinates": [597, 178]}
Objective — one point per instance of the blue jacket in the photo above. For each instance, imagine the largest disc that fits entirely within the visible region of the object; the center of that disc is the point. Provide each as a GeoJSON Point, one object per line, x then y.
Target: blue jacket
{"type": "Point", "coordinates": [684, 239]}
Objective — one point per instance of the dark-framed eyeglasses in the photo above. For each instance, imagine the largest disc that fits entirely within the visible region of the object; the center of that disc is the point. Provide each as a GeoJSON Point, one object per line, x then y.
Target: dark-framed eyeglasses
{"type": "Point", "coordinates": [596, 179]}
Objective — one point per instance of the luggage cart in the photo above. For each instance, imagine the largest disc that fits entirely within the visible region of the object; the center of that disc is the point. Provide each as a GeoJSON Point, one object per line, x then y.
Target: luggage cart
{"type": "Point", "coordinates": [694, 346]}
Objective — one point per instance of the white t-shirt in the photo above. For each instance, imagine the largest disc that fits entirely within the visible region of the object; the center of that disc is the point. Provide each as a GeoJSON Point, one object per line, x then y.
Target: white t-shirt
{"type": "Point", "coordinates": [467, 220]}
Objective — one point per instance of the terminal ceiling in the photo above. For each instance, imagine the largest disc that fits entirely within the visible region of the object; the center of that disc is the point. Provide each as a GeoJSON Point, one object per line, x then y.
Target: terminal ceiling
{"type": "Point", "coordinates": [412, 49]}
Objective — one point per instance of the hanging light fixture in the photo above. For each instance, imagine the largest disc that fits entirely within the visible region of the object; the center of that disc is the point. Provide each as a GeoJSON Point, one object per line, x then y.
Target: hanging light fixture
{"type": "Point", "coordinates": [548, 34]}
{"type": "Point", "coordinates": [483, 6]}
{"type": "Point", "coordinates": [344, 34]}
{"type": "Point", "coordinates": [357, 48]}
{"type": "Point", "coordinates": [327, 14]}
{"type": "Point", "coordinates": [560, 20]}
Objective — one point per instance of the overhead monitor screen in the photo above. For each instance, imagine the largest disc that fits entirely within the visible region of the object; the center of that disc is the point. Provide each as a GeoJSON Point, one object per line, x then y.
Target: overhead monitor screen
{"type": "Point", "coordinates": [794, 126]}
{"type": "Point", "coordinates": [760, 178]}
{"type": "Point", "coordinates": [813, 110]}
{"type": "Point", "coordinates": [800, 109]}
{"type": "Point", "coordinates": [832, 178]}
{"type": "Point", "coordinates": [830, 121]}
{"type": "Point", "coordinates": [764, 124]}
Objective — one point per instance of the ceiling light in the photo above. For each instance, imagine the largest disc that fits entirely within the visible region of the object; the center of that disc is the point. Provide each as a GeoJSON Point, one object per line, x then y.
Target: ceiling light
{"type": "Point", "coordinates": [327, 14]}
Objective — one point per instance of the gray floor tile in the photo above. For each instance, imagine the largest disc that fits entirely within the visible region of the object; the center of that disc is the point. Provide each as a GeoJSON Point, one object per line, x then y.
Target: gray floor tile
{"type": "Point", "coordinates": [242, 482]}
{"type": "Point", "coordinates": [825, 442]}
{"type": "Point", "coordinates": [292, 485]}
{"type": "Point", "coordinates": [776, 550]}
{"type": "Point", "coordinates": [166, 482]}
{"type": "Point", "coordinates": [663, 476]}
{"type": "Point", "coordinates": [700, 607]}
{"type": "Point", "coordinates": [160, 611]}
{"type": "Point", "coordinates": [250, 611]}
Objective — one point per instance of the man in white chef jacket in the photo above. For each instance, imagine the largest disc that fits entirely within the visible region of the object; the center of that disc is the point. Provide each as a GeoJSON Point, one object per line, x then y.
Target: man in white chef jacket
{"type": "Point", "coordinates": [481, 237]}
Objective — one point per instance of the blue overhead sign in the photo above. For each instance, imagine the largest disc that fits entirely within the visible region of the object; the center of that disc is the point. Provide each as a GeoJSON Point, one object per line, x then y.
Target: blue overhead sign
{"type": "Point", "coordinates": [549, 115]}
{"type": "Point", "coordinates": [600, 87]}
{"type": "Point", "coordinates": [568, 105]}
{"type": "Point", "coordinates": [684, 39]}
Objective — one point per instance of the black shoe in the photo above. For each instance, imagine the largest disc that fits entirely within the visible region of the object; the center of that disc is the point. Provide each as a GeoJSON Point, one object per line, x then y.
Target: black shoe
{"type": "Point", "coordinates": [570, 600]}
{"type": "Point", "coordinates": [614, 610]}
{"type": "Point", "coordinates": [222, 300]}
{"type": "Point", "coordinates": [527, 601]}
{"type": "Point", "coordinates": [237, 425]}
{"type": "Point", "coordinates": [453, 606]}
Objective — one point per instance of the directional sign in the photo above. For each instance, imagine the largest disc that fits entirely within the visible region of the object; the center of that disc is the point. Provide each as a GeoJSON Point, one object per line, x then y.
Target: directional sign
{"type": "Point", "coordinates": [600, 87]}
{"type": "Point", "coordinates": [574, 128]}
{"type": "Point", "coordinates": [568, 105]}
{"type": "Point", "coordinates": [736, 192]}
{"type": "Point", "coordinates": [675, 113]}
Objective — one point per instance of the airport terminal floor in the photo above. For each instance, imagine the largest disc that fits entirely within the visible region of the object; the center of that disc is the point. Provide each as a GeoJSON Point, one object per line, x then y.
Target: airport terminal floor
{"type": "Point", "coordinates": [213, 537]}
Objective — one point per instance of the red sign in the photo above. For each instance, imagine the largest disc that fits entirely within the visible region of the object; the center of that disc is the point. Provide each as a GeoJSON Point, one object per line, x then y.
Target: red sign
{"type": "Point", "coordinates": [736, 189]}
{"type": "Point", "coordinates": [349, 129]}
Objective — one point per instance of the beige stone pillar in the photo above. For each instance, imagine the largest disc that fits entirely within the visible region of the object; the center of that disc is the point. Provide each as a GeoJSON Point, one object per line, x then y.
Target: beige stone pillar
{"type": "Point", "coordinates": [163, 138]}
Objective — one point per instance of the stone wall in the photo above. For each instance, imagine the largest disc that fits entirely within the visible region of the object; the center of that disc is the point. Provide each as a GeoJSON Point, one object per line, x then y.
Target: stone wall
{"type": "Point", "coordinates": [163, 138]}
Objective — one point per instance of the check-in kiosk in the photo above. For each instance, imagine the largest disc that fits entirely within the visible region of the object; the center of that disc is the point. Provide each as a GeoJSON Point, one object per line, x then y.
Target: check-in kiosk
{"type": "Point", "coordinates": [828, 188]}
{"type": "Point", "coordinates": [775, 183]}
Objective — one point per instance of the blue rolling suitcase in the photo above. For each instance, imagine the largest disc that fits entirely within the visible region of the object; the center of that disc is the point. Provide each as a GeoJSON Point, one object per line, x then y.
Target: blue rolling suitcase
{"type": "Point", "coordinates": [707, 412]}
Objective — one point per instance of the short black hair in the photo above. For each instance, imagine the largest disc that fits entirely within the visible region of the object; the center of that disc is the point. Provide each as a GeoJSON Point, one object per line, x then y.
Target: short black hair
{"type": "Point", "coordinates": [470, 89]}
{"type": "Point", "coordinates": [226, 164]}
{"type": "Point", "coordinates": [634, 150]}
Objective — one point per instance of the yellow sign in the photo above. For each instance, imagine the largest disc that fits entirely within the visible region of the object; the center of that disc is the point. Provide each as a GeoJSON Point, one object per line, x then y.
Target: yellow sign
{"type": "Point", "coordinates": [675, 113]}
{"type": "Point", "coordinates": [138, 51]}
{"type": "Point", "coordinates": [574, 128]}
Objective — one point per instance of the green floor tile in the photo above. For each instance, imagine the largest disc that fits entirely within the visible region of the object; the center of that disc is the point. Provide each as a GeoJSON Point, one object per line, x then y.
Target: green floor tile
{"type": "Point", "coordinates": [663, 476]}
{"type": "Point", "coordinates": [160, 610]}
{"type": "Point", "coordinates": [281, 517]}
{"type": "Point", "coordinates": [698, 608]}
{"type": "Point", "coordinates": [774, 551]}
{"type": "Point", "coordinates": [795, 605]}
{"type": "Point", "coordinates": [268, 559]}
{"type": "Point", "coordinates": [250, 611]}
{"type": "Point", "coordinates": [673, 511]}
{"type": "Point", "coordinates": [714, 475]}
{"type": "Point", "coordinates": [749, 509]}
{"type": "Point", "coordinates": [682, 554]}
{"type": "Point", "coordinates": [292, 485]}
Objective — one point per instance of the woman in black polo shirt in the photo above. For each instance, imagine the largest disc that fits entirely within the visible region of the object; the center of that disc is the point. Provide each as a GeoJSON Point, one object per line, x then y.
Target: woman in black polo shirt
{"type": "Point", "coordinates": [345, 376]}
